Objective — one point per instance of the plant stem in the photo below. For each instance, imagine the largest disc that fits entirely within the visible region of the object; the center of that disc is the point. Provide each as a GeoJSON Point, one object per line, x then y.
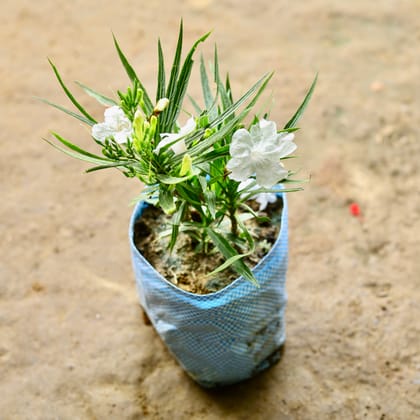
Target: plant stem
{"type": "Point", "coordinates": [233, 223]}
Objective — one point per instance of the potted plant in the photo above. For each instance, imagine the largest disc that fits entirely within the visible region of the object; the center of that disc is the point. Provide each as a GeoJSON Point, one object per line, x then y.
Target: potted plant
{"type": "Point", "coordinates": [208, 234]}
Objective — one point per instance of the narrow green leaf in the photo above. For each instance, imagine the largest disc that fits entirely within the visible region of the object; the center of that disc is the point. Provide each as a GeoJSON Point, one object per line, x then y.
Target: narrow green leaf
{"type": "Point", "coordinates": [187, 193]}
{"type": "Point", "coordinates": [204, 145]}
{"type": "Point", "coordinates": [71, 113]}
{"type": "Point", "coordinates": [230, 253]}
{"type": "Point", "coordinates": [211, 202]}
{"type": "Point", "coordinates": [213, 155]}
{"type": "Point", "coordinates": [69, 95]}
{"type": "Point", "coordinates": [75, 154]}
{"type": "Point", "coordinates": [293, 121]}
{"type": "Point", "coordinates": [228, 89]}
{"type": "Point", "coordinates": [270, 190]}
{"type": "Point", "coordinates": [171, 180]}
{"type": "Point", "coordinates": [209, 100]}
{"type": "Point", "coordinates": [104, 100]}
{"type": "Point", "coordinates": [227, 263]}
{"type": "Point", "coordinates": [160, 92]}
{"type": "Point", "coordinates": [166, 200]}
{"type": "Point", "coordinates": [176, 221]}
{"type": "Point", "coordinates": [220, 87]}
{"type": "Point", "coordinates": [77, 149]}
{"type": "Point", "coordinates": [120, 164]}
{"type": "Point", "coordinates": [133, 76]}
{"type": "Point", "coordinates": [254, 214]}
{"type": "Point", "coordinates": [194, 103]}
{"type": "Point", "coordinates": [175, 65]}
{"type": "Point", "coordinates": [182, 84]}
{"type": "Point", "coordinates": [247, 235]}
{"type": "Point", "coordinates": [147, 193]}
{"type": "Point", "coordinates": [258, 87]}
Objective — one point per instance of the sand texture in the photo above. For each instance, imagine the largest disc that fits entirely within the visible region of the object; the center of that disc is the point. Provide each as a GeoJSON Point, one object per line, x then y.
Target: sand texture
{"type": "Point", "coordinates": [73, 344]}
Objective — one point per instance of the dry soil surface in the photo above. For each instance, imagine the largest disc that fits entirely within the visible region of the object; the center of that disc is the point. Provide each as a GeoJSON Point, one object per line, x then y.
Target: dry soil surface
{"type": "Point", "coordinates": [72, 341]}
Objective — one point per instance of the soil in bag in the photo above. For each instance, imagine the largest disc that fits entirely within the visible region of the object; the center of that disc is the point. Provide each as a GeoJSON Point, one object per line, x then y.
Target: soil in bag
{"type": "Point", "coordinates": [188, 268]}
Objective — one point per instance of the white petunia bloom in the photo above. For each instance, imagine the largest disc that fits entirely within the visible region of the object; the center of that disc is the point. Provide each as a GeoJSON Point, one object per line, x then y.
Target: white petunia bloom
{"type": "Point", "coordinates": [179, 146]}
{"type": "Point", "coordinates": [263, 199]}
{"type": "Point", "coordinates": [258, 152]}
{"type": "Point", "coordinates": [116, 125]}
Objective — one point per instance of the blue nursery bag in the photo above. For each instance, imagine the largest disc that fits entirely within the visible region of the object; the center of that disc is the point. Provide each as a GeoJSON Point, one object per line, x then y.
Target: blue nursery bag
{"type": "Point", "coordinates": [224, 337]}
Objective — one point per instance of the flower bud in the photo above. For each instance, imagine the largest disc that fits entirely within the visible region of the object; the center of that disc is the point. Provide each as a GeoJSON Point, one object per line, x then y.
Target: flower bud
{"type": "Point", "coordinates": [161, 105]}
{"type": "Point", "coordinates": [186, 166]}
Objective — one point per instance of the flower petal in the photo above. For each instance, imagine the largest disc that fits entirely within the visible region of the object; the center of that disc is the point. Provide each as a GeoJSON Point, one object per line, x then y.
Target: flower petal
{"type": "Point", "coordinates": [287, 146]}
{"type": "Point", "coordinates": [116, 124]}
{"type": "Point", "coordinates": [179, 147]}
{"type": "Point", "coordinates": [188, 128]}
{"type": "Point", "coordinates": [268, 130]}
{"type": "Point", "coordinates": [101, 132]}
{"type": "Point", "coordinates": [240, 170]}
{"type": "Point", "coordinates": [122, 136]}
{"type": "Point", "coordinates": [241, 144]}
{"type": "Point", "coordinates": [264, 199]}
{"type": "Point", "coordinates": [165, 138]}
{"type": "Point", "coordinates": [113, 114]}
{"type": "Point", "coordinates": [270, 174]}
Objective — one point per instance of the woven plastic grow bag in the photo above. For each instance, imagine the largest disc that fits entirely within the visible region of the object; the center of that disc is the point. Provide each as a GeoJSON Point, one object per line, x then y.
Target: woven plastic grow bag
{"type": "Point", "coordinates": [223, 337]}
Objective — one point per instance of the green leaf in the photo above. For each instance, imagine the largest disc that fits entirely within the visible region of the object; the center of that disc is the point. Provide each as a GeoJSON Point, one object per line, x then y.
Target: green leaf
{"type": "Point", "coordinates": [194, 103]}
{"type": "Point", "coordinates": [231, 254]}
{"type": "Point", "coordinates": [133, 77]}
{"type": "Point", "coordinates": [171, 180]}
{"type": "Point", "coordinates": [147, 193]}
{"type": "Point", "coordinates": [69, 95]}
{"type": "Point", "coordinates": [204, 145]}
{"type": "Point", "coordinates": [176, 221]}
{"type": "Point", "coordinates": [166, 200]}
{"type": "Point", "coordinates": [175, 65]}
{"type": "Point", "coordinates": [124, 163]}
{"type": "Point", "coordinates": [209, 100]}
{"type": "Point", "coordinates": [270, 190]}
{"type": "Point", "coordinates": [213, 155]}
{"type": "Point", "coordinates": [254, 214]}
{"type": "Point", "coordinates": [228, 89]}
{"type": "Point", "coordinates": [76, 155]}
{"type": "Point", "coordinates": [71, 113]}
{"type": "Point", "coordinates": [99, 97]}
{"type": "Point", "coordinates": [181, 85]}
{"type": "Point", "coordinates": [209, 195]}
{"type": "Point", "coordinates": [191, 196]}
{"type": "Point", "coordinates": [258, 87]}
{"type": "Point", "coordinates": [211, 202]}
{"type": "Point", "coordinates": [247, 235]}
{"type": "Point", "coordinates": [221, 89]}
{"type": "Point", "coordinates": [160, 91]}
{"type": "Point", "coordinates": [78, 149]}
{"type": "Point", "coordinates": [293, 121]}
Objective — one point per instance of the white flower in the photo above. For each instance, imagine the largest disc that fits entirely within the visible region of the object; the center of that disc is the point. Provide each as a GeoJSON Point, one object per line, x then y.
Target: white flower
{"type": "Point", "coordinates": [179, 146]}
{"type": "Point", "coordinates": [263, 199]}
{"type": "Point", "coordinates": [258, 152]}
{"type": "Point", "coordinates": [116, 125]}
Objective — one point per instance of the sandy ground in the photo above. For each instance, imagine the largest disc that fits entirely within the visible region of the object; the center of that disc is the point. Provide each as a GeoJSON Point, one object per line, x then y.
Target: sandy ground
{"type": "Point", "coordinates": [72, 341]}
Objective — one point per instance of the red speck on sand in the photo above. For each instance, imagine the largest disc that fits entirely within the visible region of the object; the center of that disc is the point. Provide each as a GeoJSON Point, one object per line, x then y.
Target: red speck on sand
{"type": "Point", "coordinates": [355, 209]}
